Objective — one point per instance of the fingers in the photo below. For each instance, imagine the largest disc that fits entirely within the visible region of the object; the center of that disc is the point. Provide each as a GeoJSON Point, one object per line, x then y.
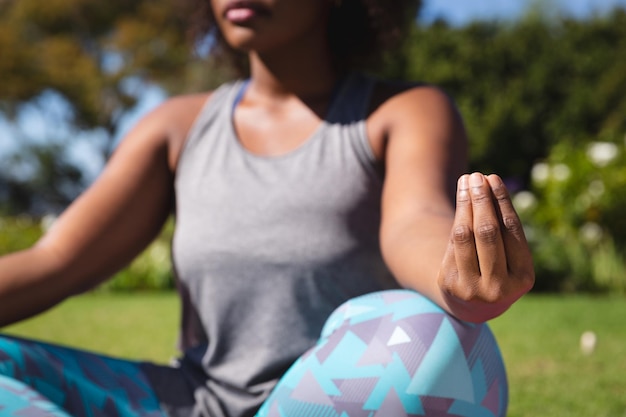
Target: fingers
{"type": "Point", "coordinates": [486, 226]}
{"type": "Point", "coordinates": [516, 247]}
{"type": "Point", "coordinates": [463, 232]}
{"type": "Point", "coordinates": [478, 242]}
{"type": "Point", "coordinates": [488, 261]}
{"type": "Point", "coordinates": [477, 232]}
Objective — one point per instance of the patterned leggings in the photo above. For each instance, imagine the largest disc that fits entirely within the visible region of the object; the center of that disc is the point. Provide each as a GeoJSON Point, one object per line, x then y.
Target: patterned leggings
{"type": "Point", "coordinates": [386, 354]}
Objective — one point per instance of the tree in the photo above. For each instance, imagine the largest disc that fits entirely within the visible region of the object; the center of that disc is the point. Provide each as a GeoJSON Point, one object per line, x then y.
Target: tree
{"type": "Point", "coordinates": [52, 182]}
{"type": "Point", "coordinates": [88, 52]}
{"type": "Point", "coordinates": [526, 86]}
{"type": "Point", "coordinates": [96, 56]}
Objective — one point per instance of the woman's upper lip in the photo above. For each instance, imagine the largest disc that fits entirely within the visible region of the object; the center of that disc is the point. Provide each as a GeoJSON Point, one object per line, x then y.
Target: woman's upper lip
{"type": "Point", "coordinates": [246, 4]}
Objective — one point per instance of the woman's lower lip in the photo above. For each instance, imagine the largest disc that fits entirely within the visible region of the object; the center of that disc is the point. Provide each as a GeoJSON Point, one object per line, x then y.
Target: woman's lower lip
{"type": "Point", "coordinates": [241, 15]}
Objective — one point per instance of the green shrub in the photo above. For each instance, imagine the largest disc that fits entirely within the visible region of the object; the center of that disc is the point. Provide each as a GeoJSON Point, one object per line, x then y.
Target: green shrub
{"type": "Point", "coordinates": [575, 218]}
{"type": "Point", "coordinates": [151, 270]}
{"type": "Point", "coordinates": [18, 233]}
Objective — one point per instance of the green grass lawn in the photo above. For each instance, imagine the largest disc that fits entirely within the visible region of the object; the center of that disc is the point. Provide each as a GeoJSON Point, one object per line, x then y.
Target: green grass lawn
{"type": "Point", "coordinates": [130, 325]}
{"type": "Point", "coordinates": [539, 337]}
{"type": "Point", "coordinates": [548, 373]}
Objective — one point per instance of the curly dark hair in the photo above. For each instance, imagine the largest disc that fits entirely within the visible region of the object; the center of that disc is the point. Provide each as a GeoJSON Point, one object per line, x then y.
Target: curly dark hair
{"type": "Point", "coordinates": [361, 32]}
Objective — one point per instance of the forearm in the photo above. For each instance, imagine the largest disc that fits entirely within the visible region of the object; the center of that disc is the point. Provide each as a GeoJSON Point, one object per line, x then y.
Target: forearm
{"type": "Point", "coordinates": [30, 282]}
{"type": "Point", "coordinates": [414, 253]}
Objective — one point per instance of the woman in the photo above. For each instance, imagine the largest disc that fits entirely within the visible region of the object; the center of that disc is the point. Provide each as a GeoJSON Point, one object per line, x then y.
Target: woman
{"type": "Point", "coordinates": [300, 195]}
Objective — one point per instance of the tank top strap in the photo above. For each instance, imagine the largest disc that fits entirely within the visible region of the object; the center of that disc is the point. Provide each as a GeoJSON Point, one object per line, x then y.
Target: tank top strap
{"type": "Point", "coordinates": [352, 99]}
{"type": "Point", "coordinates": [349, 113]}
{"type": "Point", "coordinates": [216, 110]}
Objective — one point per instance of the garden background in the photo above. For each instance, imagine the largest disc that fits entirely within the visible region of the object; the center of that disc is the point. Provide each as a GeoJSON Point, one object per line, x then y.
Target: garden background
{"type": "Point", "coordinates": [544, 101]}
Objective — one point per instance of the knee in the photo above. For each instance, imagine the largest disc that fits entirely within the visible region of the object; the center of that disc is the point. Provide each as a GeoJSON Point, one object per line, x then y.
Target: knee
{"type": "Point", "coordinates": [422, 358]}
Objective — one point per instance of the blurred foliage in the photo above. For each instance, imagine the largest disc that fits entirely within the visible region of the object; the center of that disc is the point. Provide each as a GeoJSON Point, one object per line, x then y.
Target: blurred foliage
{"type": "Point", "coordinates": [574, 217]}
{"type": "Point", "coordinates": [151, 270]}
{"type": "Point", "coordinates": [85, 50]}
{"type": "Point", "coordinates": [88, 52]}
{"type": "Point", "coordinates": [525, 87]}
{"type": "Point", "coordinates": [98, 57]}
{"type": "Point", "coordinates": [18, 233]}
{"type": "Point", "coordinates": [40, 180]}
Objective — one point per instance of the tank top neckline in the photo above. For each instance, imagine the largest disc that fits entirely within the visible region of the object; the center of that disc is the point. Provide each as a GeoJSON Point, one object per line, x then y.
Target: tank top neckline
{"type": "Point", "coordinates": [339, 93]}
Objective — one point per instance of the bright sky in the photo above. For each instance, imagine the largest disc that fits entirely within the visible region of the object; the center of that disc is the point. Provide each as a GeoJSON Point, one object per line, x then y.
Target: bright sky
{"type": "Point", "coordinates": [458, 12]}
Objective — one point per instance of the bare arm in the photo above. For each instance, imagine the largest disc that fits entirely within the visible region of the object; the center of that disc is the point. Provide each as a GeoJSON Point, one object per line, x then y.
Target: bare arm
{"type": "Point", "coordinates": [107, 226]}
{"type": "Point", "coordinates": [430, 245]}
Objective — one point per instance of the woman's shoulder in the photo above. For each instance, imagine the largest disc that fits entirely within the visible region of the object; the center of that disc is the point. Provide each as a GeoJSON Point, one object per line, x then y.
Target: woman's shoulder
{"type": "Point", "coordinates": [178, 113]}
{"type": "Point", "coordinates": [395, 102]}
{"type": "Point", "coordinates": [416, 107]}
{"type": "Point", "coordinates": [391, 93]}
{"type": "Point", "coordinates": [168, 124]}
{"type": "Point", "coordinates": [185, 102]}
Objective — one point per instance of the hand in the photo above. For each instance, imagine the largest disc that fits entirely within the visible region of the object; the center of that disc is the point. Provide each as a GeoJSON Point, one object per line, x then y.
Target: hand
{"type": "Point", "coordinates": [488, 264]}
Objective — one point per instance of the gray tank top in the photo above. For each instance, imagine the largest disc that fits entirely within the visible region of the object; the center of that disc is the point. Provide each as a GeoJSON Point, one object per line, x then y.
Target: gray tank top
{"type": "Point", "coordinates": [266, 248]}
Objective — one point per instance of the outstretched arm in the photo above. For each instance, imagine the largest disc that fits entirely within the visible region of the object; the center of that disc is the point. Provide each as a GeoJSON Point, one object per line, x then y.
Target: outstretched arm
{"type": "Point", "coordinates": [107, 226]}
{"type": "Point", "coordinates": [463, 246]}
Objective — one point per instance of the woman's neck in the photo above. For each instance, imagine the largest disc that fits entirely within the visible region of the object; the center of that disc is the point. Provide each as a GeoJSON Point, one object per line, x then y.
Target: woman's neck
{"type": "Point", "coordinates": [304, 70]}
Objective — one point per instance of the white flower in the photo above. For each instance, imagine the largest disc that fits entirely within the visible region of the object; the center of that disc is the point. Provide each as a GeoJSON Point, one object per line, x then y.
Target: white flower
{"type": "Point", "coordinates": [602, 153]}
{"type": "Point", "coordinates": [561, 172]}
{"type": "Point", "coordinates": [588, 341]}
{"type": "Point", "coordinates": [596, 188]}
{"type": "Point", "coordinates": [591, 233]}
{"type": "Point", "coordinates": [540, 173]}
{"type": "Point", "coordinates": [524, 201]}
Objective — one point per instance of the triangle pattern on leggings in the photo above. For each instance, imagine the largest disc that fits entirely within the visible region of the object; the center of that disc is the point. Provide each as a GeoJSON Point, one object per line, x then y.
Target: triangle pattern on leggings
{"type": "Point", "coordinates": [310, 391]}
{"type": "Point", "coordinates": [392, 406]}
{"type": "Point", "coordinates": [398, 337]}
{"type": "Point", "coordinates": [444, 371]}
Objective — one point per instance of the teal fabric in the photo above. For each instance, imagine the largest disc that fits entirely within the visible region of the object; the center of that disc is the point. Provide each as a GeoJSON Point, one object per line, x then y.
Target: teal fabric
{"type": "Point", "coordinates": [18, 399]}
{"type": "Point", "coordinates": [41, 379]}
{"type": "Point", "coordinates": [395, 353]}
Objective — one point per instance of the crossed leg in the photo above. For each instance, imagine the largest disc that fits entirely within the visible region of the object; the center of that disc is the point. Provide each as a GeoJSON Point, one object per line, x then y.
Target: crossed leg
{"type": "Point", "coordinates": [394, 353]}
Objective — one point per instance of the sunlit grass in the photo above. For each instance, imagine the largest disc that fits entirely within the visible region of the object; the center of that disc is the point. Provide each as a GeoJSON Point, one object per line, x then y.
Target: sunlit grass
{"type": "Point", "coordinates": [130, 325]}
{"type": "Point", "coordinates": [549, 374]}
{"type": "Point", "coordinates": [539, 338]}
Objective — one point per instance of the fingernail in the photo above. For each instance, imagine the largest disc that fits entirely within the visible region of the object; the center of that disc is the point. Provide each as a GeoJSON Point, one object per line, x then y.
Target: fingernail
{"type": "Point", "coordinates": [463, 189]}
{"type": "Point", "coordinates": [476, 180]}
{"type": "Point", "coordinates": [463, 182]}
{"type": "Point", "coordinates": [495, 180]}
